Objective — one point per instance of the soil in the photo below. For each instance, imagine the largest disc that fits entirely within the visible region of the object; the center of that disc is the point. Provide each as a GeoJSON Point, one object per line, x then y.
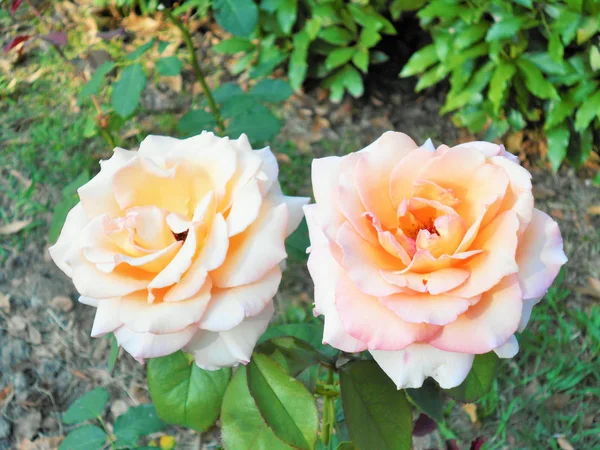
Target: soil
{"type": "Point", "coordinates": [48, 359]}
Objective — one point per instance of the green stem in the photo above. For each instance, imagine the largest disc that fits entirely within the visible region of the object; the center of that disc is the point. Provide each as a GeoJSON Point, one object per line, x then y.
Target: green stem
{"type": "Point", "coordinates": [328, 412]}
{"type": "Point", "coordinates": [106, 430]}
{"type": "Point", "coordinates": [197, 70]}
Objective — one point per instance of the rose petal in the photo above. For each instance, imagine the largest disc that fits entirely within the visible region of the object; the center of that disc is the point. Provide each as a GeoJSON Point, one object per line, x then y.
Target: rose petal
{"type": "Point", "coordinates": [540, 255]}
{"type": "Point", "coordinates": [410, 367]}
{"type": "Point", "coordinates": [528, 305]}
{"type": "Point", "coordinates": [362, 262]}
{"type": "Point", "coordinates": [295, 205]}
{"type": "Point", "coordinates": [107, 316]}
{"type": "Point", "coordinates": [325, 271]}
{"type": "Point", "coordinates": [173, 272]}
{"type": "Point", "coordinates": [509, 349]}
{"type": "Point", "coordinates": [148, 345]}
{"type": "Point", "coordinates": [257, 250]}
{"type": "Point", "coordinates": [141, 182]}
{"type": "Point", "coordinates": [325, 176]}
{"type": "Point", "coordinates": [488, 324]}
{"type": "Point", "coordinates": [350, 203]}
{"type": "Point", "coordinates": [66, 244]}
{"type": "Point", "coordinates": [211, 256]}
{"type": "Point", "coordinates": [406, 172]}
{"type": "Point", "coordinates": [367, 320]}
{"type": "Point", "coordinates": [161, 317]}
{"type": "Point", "coordinates": [228, 307]}
{"type": "Point", "coordinates": [159, 146]}
{"type": "Point", "coordinates": [90, 282]}
{"type": "Point", "coordinates": [245, 208]}
{"type": "Point", "coordinates": [519, 196]}
{"type": "Point", "coordinates": [431, 309]}
{"type": "Point", "coordinates": [435, 283]}
{"type": "Point", "coordinates": [373, 171]}
{"type": "Point", "coordinates": [97, 196]}
{"type": "Point", "coordinates": [213, 350]}
{"type": "Point", "coordinates": [499, 244]}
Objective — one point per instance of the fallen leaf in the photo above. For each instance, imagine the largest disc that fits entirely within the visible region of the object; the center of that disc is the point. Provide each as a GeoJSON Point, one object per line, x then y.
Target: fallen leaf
{"type": "Point", "coordinates": [557, 213]}
{"type": "Point", "coordinates": [42, 443]}
{"type": "Point", "coordinates": [175, 83]}
{"type": "Point", "coordinates": [4, 393]}
{"type": "Point", "coordinates": [471, 410]}
{"type": "Point", "coordinates": [514, 141]}
{"type": "Point", "coordinates": [283, 158]}
{"type": "Point", "coordinates": [14, 227]}
{"type": "Point", "coordinates": [557, 401]}
{"type": "Point", "coordinates": [35, 75]}
{"type": "Point", "coordinates": [62, 303]}
{"type": "Point", "coordinates": [594, 210]}
{"type": "Point", "coordinates": [79, 374]}
{"type": "Point", "coordinates": [5, 302]}
{"type": "Point", "coordinates": [564, 444]}
{"type": "Point", "coordinates": [540, 192]}
{"type": "Point", "coordinates": [35, 337]}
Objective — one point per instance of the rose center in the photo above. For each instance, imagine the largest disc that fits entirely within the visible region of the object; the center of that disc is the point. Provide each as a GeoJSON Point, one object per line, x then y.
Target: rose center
{"type": "Point", "coordinates": [181, 236]}
{"type": "Point", "coordinates": [426, 225]}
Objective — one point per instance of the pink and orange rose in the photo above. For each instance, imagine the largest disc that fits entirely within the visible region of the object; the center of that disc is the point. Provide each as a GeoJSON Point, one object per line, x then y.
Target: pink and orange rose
{"type": "Point", "coordinates": [426, 257]}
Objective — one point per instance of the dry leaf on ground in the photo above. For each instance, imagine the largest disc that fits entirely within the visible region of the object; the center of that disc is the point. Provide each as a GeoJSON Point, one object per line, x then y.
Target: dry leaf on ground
{"type": "Point", "coordinates": [471, 410]}
{"type": "Point", "coordinates": [14, 227]}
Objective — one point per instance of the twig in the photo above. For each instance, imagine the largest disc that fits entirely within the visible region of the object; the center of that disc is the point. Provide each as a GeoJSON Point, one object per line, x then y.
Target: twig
{"type": "Point", "coordinates": [197, 70]}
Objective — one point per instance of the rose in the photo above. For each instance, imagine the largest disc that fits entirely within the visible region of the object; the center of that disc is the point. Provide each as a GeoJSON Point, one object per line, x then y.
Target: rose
{"type": "Point", "coordinates": [179, 245]}
{"type": "Point", "coordinates": [426, 257]}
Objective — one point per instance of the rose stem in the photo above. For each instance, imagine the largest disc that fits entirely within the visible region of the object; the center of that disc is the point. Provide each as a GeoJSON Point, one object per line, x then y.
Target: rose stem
{"type": "Point", "coordinates": [197, 70]}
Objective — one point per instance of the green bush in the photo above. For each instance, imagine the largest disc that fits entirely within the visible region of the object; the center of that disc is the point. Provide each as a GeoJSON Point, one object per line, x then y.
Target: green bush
{"type": "Point", "coordinates": [516, 63]}
{"type": "Point", "coordinates": [329, 40]}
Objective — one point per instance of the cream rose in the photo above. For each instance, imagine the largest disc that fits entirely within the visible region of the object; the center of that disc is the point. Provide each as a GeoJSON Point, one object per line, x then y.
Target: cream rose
{"type": "Point", "coordinates": [427, 257]}
{"type": "Point", "coordinates": [179, 245]}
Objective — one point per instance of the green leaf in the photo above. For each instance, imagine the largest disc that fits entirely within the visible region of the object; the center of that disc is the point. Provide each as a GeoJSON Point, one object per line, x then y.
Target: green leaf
{"type": "Point", "coordinates": [87, 437]}
{"type": "Point", "coordinates": [114, 352]}
{"type": "Point", "coordinates": [369, 37]}
{"type": "Point", "coordinates": [427, 399]}
{"type": "Point", "coordinates": [162, 46]}
{"type": "Point", "coordinates": [558, 112]}
{"type": "Point", "coordinates": [242, 426]}
{"type": "Point", "coordinates": [169, 66]}
{"type": "Point", "coordinates": [586, 140]}
{"type": "Point", "coordinates": [138, 52]}
{"type": "Point", "coordinates": [555, 48]}
{"type": "Point", "coordinates": [298, 66]}
{"type": "Point", "coordinates": [291, 353]}
{"type": "Point", "coordinates": [244, 62]}
{"type": "Point", "coordinates": [516, 120]}
{"type": "Point", "coordinates": [88, 407]}
{"type": "Point", "coordinates": [506, 28]}
{"type": "Point", "coordinates": [285, 404]}
{"type": "Point", "coordinates": [558, 143]}
{"type": "Point", "coordinates": [500, 83]}
{"type": "Point", "coordinates": [271, 91]}
{"type": "Point", "coordinates": [267, 66]}
{"type": "Point", "coordinates": [346, 446]}
{"type": "Point", "coordinates": [546, 64]}
{"type": "Point", "coordinates": [233, 45]}
{"type": "Point", "coordinates": [286, 15]}
{"type": "Point", "coordinates": [227, 91]}
{"type": "Point", "coordinates": [361, 59]}
{"type": "Point", "coordinates": [237, 106]}
{"type": "Point", "coordinates": [420, 61]}
{"type": "Point", "coordinates": [339, 57]}
{"type": "Point", "coordinates": [378, 415]}
{"type": "Point", "coordinates": [184, 394]}
{"type": "Point", "coordinates": [470, 35]}
{"type": "Point", "coordinates": [336, 35]}
{"type": "Point", "coordinates": [137, 421]}
{"type": "Point", "coordinates": [535, 81]}
{"type": "Point", "coordinates": [311, 333]}
{"type": "Point", "coordinates": [96, 81]}
{"type": "Point", "coordinates": [595, 58]}
{"type": "Point", "coordinates": [588, 110]}
{"type": "Point", "coordinates": [479, 381]}
{"type": "Point", "coordinates": [128, 89]}
{"type": "Point", "coordinates": [239, 17]}
{"type": "Point", "coordinates": [432, 77]}
{"type": "Point", "coordinates": [195, 121]}
{"type": "Point", "coordinates": [588, 28]}
{"type": "Point", "coordinates": [258, 123]}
